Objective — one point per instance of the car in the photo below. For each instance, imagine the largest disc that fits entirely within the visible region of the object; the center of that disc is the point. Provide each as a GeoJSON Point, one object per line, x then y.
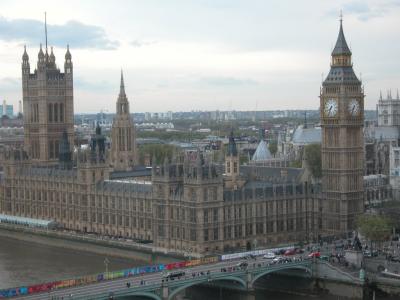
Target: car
{"type": "Point", "coordinates": [242, 264]}
{"type": "Point", "coordinates": [173, 275]}
{"type": "Point", "coordinates": [289, 252]}
{"type": "Point", "coordinates": [315, 254]}
{"type": "Point", "coordinates": [324, 257]}
{"type": "Point", "coordinates": [277, 259]}
{"type": "Point", "coordinates": [299, 251]}
{"type": "Point", "coordinates": [269, 255]}
{"type": "Point", "coordinates": [395, 258]}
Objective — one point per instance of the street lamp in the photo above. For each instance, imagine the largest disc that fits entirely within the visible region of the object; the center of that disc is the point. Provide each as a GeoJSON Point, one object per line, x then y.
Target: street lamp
{"type": "Point", "coordinates": [106, 262]}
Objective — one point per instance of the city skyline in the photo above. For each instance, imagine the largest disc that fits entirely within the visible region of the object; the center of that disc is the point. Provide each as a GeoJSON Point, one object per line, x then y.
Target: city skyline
{"type": "Point", "coordinates": [172, 61]}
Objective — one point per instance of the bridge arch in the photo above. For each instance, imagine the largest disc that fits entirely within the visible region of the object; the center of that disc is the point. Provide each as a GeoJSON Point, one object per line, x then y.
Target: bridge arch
{"type": "Point", "coordinates": [289, 267]}
{"type": "Point", "coordinates": [139, 294]}
{"type": "Point", "coordinates": [228, 278]}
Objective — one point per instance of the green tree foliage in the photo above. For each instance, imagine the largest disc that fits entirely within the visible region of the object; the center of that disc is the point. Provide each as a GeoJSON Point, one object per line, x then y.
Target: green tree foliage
{"type": "Point", "coordinates": [159, 151]}
{"type": "Point", "coordinates": [313, 157]}
{"type": "Point", "coordinates": [375, 228]}
{"type": "Point", "coordinates": [295, 164]}
{"type": "Point", "coordinates": [172, 135]}
{"type": "Point", "coordinates": [273, 147]}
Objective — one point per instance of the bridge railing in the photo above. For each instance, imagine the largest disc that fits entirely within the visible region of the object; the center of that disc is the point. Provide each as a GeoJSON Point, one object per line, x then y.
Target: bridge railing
{"type": "Point", "coordinates": [155, 288]}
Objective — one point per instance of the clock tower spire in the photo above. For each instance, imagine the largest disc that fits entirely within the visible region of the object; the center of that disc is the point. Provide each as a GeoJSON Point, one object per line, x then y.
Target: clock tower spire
{"type": "Point", "coordinates": [342, 118]}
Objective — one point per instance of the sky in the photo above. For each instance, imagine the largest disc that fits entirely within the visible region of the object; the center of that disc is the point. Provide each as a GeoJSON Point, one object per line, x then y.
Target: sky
{"type": "Point", "coordinates": [184, 55]}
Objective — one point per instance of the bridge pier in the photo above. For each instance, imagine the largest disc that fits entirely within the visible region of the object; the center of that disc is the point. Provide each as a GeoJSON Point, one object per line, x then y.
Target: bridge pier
{"type": "Point", "coordinates": [164, 292]}
{"type": "Point", "coordinates": [249, 295]}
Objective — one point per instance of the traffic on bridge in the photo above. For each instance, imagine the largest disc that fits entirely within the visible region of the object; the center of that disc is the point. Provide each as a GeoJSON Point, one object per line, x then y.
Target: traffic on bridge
{"type": "Point", "coordinates": [164, 281]}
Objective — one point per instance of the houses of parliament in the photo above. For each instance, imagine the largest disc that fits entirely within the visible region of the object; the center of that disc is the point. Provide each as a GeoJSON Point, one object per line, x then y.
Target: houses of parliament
{"type": "Point", "coordinates": [188, 201]}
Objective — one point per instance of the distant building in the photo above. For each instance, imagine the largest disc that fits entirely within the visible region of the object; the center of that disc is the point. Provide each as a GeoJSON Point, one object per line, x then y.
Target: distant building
{"type": "Point", "coordinates": [6, 110]}
{"type": "Point", "coordinates": [388, 110]}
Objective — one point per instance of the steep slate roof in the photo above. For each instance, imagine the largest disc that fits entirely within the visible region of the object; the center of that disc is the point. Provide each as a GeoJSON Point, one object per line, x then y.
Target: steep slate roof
{"type": "Point", "coordinates": [232, 149]}
{"type": "Point", "coordinates": [341, 74]}
{"type": "Point", "coordinates": [341, 45]}
{"type": "Point", "coordinates": [268, 175]}
{"type": "Point", "coordinates": [136, 172]}
{"type": "Point", "coordinates": [309, 135]}
{"type": "Point", "coordinates": [262, 152]}
{"type": "Point", "coordinates": [382, 133]}
{"type": "Point", "coordinates": [124, 186]}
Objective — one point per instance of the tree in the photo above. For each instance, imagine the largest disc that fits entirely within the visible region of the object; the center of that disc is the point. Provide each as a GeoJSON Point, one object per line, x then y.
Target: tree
{"type": "Point", "coordinates": [313, 157]}
{"type": "Point", "coordinates": [375, 228]}
{"type": "Point", "coordinates": [159, 151]}
{"type": "Point", "coordinates": [295, 164]}
{"type": "Point", "coordinates": [273, 147]}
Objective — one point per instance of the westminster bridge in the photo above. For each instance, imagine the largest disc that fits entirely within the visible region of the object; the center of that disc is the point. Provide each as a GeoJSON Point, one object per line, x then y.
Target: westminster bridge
{"type": "Point", "coordinates": [223, 274]}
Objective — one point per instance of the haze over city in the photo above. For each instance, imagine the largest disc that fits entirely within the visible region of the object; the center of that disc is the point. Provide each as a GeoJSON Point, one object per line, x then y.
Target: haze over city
{"type": "Point", "coordinates": [201, 55]}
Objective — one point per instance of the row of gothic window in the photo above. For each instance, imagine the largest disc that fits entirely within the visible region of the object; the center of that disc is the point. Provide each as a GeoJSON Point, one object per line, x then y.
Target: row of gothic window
{"type": "Point", "coordinates": [55, 112]}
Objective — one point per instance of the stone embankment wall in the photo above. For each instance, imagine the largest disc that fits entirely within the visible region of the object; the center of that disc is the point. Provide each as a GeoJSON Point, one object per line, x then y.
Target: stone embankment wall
{"type": "Point", "coordinates": [93, 245]}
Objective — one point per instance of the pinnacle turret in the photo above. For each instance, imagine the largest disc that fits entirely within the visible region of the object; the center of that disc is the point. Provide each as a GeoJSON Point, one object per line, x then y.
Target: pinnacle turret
{"type": "Point", "coordinates": [41, 54]}
{"type": "Point", "coordinates": [68, 54]}
{"type": "Point", "coordinates": [52, 57]}
{"type": "Point", "coordinates": [25, 55]}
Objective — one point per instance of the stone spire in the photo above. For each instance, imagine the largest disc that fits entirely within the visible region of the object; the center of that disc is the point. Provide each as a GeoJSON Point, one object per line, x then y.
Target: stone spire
{"type": "Point", "coordinates": [123, 146]}
{"type": "Point", "coordinates": [122, 86]}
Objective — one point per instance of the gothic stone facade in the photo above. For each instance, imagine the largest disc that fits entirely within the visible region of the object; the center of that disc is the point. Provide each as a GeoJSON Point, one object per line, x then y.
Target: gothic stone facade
{"type": "Point", "coordinates": [185, 207]}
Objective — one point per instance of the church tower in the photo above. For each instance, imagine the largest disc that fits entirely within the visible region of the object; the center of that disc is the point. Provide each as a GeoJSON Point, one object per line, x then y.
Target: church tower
{"type": "Point", "coordinates": [48, 106]}
{"type": "Point", "coordinates": [123, 146]}
{"type": "Point", "coordinates": [342, 118]}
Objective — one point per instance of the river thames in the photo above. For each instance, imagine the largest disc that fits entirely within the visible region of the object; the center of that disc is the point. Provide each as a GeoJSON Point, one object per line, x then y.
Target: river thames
{"type": "Point", "coordinates": [24, 263]}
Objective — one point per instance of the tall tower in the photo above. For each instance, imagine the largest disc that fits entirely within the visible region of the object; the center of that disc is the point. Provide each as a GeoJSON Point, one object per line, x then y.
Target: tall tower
{"type": "Point", "coordinates": [123, 147]}
{"type": "Point", "coordinates": [48, 106]}
{"type": "Point", "coordinates": [342, 118]}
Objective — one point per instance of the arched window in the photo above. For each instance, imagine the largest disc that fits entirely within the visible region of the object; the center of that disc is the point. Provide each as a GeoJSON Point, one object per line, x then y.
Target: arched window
{"type": "Point", "coordinates": [61, 112]}
{"type": "Point", "coordinates": [55, 112]}
{"type": "Point", "coordinates": [50, 112]}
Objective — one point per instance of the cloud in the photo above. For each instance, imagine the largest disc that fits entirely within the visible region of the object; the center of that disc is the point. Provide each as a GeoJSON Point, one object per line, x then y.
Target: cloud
{"type": "Point", "coordinates": [228, 81]}
{"type": "Point", "coordinates": [140, 43]}
{"type": "Point", "coordinates": [364, 11]}
{"type": "Point", "coordinates": [75, 33]}
{"type": "Point", "coordinates": [99, 86]}
{"type": "Point", "coordinates": [10, 83]}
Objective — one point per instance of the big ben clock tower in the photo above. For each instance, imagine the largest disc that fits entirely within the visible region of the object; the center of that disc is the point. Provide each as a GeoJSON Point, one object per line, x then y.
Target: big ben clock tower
{"type": "Point", "coordinates": [342, 151]}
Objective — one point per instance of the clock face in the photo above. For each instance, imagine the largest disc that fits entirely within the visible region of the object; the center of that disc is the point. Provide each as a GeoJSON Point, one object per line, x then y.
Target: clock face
{"type": "Point", "coordinates": [331, 108]}
{"type": "Point", "coordinates": [354, 107]}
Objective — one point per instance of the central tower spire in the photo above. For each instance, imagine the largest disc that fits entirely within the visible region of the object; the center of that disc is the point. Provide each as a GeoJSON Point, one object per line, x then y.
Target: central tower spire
{"type": "Point", "coordinates": [45, 28]}
{"type": "Point", "coordinates": [122, 85]}
{"type": "Point", "coordinates": [123, 146]}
